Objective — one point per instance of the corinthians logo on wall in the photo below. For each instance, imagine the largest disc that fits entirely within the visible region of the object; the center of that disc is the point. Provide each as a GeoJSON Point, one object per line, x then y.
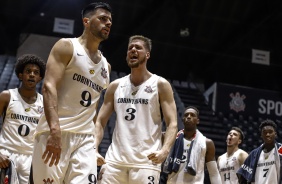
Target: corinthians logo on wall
{"type": "Point", "coordinates": [237, 102]}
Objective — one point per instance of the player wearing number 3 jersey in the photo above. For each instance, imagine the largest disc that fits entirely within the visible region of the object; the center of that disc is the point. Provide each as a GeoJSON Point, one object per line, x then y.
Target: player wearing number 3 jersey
{"type": "Point", "coordinates": [136, 152]}
{"type": "Point", "coordinates": [76, 74]}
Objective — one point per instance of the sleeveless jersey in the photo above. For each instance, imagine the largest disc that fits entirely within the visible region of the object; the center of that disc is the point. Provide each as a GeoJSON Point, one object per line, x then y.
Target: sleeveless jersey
{"type": "Point", "coordinates": [266, 168]}
{"type": "Point", "coordinates": [20, 123]}
{"type": "Point", "coordinates": [228, 166]}
{"type": "Point", "coordinates": [182, 177]}
{"type": "Point", "coordinates": [79, 92]}
{"type": "Point", "coordinates": [138, 126]}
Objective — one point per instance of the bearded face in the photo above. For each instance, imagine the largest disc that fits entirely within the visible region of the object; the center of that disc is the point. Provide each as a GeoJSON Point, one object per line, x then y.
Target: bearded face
{"type": "Point", "coordinates": [136, 54]}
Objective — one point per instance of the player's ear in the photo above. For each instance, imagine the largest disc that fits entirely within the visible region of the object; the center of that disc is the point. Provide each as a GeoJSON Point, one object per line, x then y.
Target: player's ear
{"type": "Point", "coordinates": [148, 55]}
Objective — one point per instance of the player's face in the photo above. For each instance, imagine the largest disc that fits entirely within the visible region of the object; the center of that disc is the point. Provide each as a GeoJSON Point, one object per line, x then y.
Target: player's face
{"type": "Point", "coordinates": [30, 76]}
{"type": "Point", "coordinates": [233, 138]}
{"type": "Point", "coordinates": [100, 23]}
{"type": "Point", "coordinates": [268, 134]}
{"type": "Point", "coordinates": [190, 119]}
{"type": "Point", "coordinates": [137, 54]}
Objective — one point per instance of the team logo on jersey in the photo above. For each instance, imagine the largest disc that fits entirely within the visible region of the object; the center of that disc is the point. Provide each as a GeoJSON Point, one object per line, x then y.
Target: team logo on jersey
{"type": "Point", "coordinates": [40, 109]}
{"type": "Point", "coordinates": [148, 89]}
{"type": "Point", "coordinates": [91, 71]}
{"type": "Point", "coordinates": [104, 73]}
{"type": "Point", "coordinates": [48, 181]}
{"type": "Point", "coordinates": [27, 109]}
{"type": "Point", "coordinates": [134, 92]}
{"type": "Point", "coordinates": [280, 150]}
{"type": "Point", "coordinates": [237, 102]}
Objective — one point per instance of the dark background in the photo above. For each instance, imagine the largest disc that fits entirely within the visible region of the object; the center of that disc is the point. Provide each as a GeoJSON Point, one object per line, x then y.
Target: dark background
{"type": "Point", "coordinates": [218, 48]}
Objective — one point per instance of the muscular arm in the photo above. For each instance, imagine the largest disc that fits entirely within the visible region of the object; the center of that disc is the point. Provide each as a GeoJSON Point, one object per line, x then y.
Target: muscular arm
{"type": "Point", "coordinates": [4, 102]}
{"type": "Point", "coordinates": [211, 163]}
{"type": "Point", "coordinates": [170, 116]}
{"type": "Point", "coordinates": [103, 117]}
{"type": "Point", "coordinates": [59, 57]}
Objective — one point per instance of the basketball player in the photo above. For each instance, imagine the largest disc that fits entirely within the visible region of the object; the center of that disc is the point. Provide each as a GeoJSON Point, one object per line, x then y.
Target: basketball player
{"type": "Point", "coordinates": [230, 162]}
{"type": "Point", "coordinates": [20, 109]}
{"type": "Point", "coordinates": [190, 153]}
{"type": "Point", "coordinates": [76, 74]}
{"type": "Point", "coordinates": [263, 165]}
{"type": "Point", "coordinates": [136, 152]}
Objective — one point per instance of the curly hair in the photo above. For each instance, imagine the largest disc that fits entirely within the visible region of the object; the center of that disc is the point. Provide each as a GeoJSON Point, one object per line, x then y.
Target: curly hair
{"type": "Point", "coordinates": [267, 122]}
{"type": "Point", "coordinates": [30, 59]}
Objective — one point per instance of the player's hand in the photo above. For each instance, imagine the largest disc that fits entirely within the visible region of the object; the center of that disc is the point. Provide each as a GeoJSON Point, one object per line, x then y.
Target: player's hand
{"type": "Point", "coordinates": [53, 149]}
{"type": "Point", "coordinates": [158, 157]}
{"type": "Point", "coordinates": [4, 161]}
{"type": "Point", "coordinates": [100, 159]}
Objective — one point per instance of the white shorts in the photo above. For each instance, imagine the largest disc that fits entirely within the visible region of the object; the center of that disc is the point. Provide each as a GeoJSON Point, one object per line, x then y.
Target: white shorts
{"type": "Point", "coordinates": [22, 164]}
{"type": "Point", "coordinates": [114, 174]}
{"type": "Point", "coordinates": [78, 162]}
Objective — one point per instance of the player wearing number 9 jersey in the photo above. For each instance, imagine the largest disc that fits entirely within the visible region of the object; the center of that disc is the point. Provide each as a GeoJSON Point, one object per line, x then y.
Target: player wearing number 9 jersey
{"type": "Point", "coordinates": [76, 74]}
{"type": "Point", "coordinates": [20, 109]}
{"type": "Point", "coordinates": [136, 152]}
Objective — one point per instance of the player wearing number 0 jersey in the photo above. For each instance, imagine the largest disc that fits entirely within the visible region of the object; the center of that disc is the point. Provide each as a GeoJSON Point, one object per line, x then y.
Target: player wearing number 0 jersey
{"type": "Point", "coordinates": [76, 75]}
{"type": "Point", "coordinates": [136, 152]}
{"type": "Point", "coordinates": [230, 162]}
{"type": "Point", "coordinates": [20, 109]}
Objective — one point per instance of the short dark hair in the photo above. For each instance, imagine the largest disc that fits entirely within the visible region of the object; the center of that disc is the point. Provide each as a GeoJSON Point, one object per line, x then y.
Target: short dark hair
{"type": "Point", "coordinates": [267, 122]}
{"type": "Point", "coordinates": [195, 108]}
{"type": "Point", "coordinates": [30, 59]}
{"type": "Point", "coordinates": [93, 6]}
{"type": "Point", "coordinates": [147, 41]}
{"type": "Point", "coordinates": [242, 136]}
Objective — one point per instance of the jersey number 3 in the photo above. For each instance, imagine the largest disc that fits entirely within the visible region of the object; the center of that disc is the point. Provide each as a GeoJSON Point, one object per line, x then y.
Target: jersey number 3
{"type": "Point", "coordinates": [130, 114]}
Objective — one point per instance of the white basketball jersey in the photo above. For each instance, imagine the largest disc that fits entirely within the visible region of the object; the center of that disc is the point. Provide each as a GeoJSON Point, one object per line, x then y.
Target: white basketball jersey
{"type": "Point", "coordinates": [228, 166]}
{"type": "Point", "coordinates": [266, 168]}
{"type": "Point", "coordinates": [79, 92]}
{"type": "Point", "coordinates": [138, 126]}
{"type": "Point", "coordinates": [19, 124]}
{"type": "Point", "coordinates": [182, 177]}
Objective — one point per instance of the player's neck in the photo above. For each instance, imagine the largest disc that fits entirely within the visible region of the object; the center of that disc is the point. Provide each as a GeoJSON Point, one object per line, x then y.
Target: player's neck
{"type": "Point", "coordinates": [231, 150]}
{"type": "Point", "coordinates": [268, 147]}
{"type": "Point", "coordinates": [29, 96]}
{"type": "Point", "coordinates": [91, 45]}
{"type": "Point", "coordinates": [189, 135]}
{"type": "Point", "coordinates": [138, 77]}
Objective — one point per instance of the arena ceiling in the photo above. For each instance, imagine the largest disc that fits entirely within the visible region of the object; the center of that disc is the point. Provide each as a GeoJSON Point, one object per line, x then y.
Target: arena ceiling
{"type": "Point", "coordinates": [202, 40]}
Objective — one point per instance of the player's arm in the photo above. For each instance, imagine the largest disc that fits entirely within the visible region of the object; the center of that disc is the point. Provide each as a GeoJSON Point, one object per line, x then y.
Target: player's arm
{"type": "Point", "coordinates": [170, 116]}
{"type": "Point", "coordinates": [104, 114]}
{"type": "Point", "coordinates": [59, 58]}
{"type": "Point", "coordinates": [218, 160]}
{"type": "Point", "coordinates": [242, 157]}
{"type": "Point", "coordinates": [95, 117]}
{"type": "Point", "coordinates": [211, 163]}
{"type": "Point", "coordinates": [4, 102]}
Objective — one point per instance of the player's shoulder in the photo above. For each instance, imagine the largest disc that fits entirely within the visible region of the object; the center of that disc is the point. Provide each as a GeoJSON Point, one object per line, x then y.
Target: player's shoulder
{"type": "Point", "coordinates": [63, 44]}
{"type": "Point", "coordinates": [5, 96]}
{"type": "Point", "coordinates": [242, 152]}
{"type": "Point", "coordinates": [114, 84]}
